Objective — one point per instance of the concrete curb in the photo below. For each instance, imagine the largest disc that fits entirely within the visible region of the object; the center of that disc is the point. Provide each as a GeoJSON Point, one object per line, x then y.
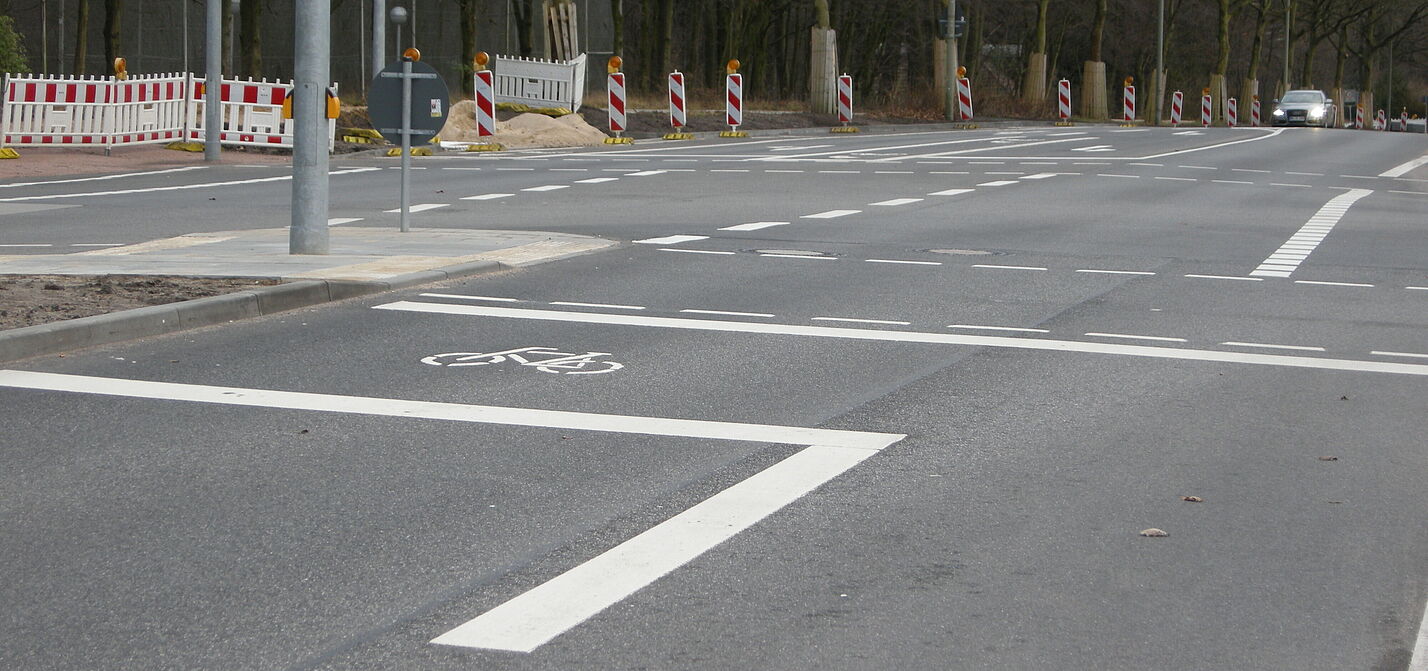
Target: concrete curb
{"type": "Point", "coordinates": [105, 329]}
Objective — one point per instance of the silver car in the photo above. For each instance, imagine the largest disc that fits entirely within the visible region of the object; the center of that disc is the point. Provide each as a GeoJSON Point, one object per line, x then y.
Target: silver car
{"type": "Point", "coordinates": [1303, 108]}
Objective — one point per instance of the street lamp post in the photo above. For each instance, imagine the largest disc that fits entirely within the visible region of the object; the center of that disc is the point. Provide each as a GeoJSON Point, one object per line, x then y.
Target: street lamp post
{"type": "Point", "coordinates": [398, 16]}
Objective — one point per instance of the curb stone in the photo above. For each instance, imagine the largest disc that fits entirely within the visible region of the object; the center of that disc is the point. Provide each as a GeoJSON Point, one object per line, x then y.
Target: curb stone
{"type": "Point", "coordinates": [72, 334]}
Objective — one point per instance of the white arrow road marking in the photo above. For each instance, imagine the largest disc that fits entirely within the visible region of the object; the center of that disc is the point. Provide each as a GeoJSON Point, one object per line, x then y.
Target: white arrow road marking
{"type": "Point", "coordinates": [539, 615]}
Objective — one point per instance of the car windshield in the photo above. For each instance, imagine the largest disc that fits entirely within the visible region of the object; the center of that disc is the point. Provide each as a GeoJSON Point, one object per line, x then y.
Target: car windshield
{"type": "Point", "coordinates": [1301, 97]}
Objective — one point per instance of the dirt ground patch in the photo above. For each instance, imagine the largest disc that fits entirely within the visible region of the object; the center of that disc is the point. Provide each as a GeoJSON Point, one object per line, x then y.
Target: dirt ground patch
{"type": "Point", "coordinates": [40, 299]}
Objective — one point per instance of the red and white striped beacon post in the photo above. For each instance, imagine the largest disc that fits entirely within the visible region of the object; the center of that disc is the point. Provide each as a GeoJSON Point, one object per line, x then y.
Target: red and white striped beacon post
{"type": "Point", "coordinates": [485, 96]}
{"type": "Point", "coordinates": [1063, 101]}
{"type": "Point", "coordinates": [1177, 107]}
{"type": "Point", "coordinates": [676, 100]}
{"type": "Point", "coordinates": [1128, 101]}
{"type": "Point", "coordinates": [1232, 112]}
{"type": "Point", "coordinates": [1255, 120]}
{"type": "Point", "coordinates": [1403, 120]}
{"type": "Point", "coordinates": [1206, 107]}
{"type": "Point", "coordinates": [1380, 122]}
{"type": "Point", "coordinates": [845, 99]}
{"type": "Point", "coordinates": [733, 99]}
{"type": "Point", "coordinates": [1358, 117]}
{"type": "Point", "coordinates": [615, 95]}
{"type": "Point", "coordinates": [964, 94]}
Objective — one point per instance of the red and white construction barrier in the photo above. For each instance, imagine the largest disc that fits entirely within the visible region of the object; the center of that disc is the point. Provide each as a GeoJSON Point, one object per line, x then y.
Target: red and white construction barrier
{"type": "Point", "coordinates": [1232, 112]}
{"type": "Point", "coordinates": [1254, 113]}
{"type": "Point", "coordinates": [1380, 122]}
{"type": "Point", "coordinates": [845, 99]}
{"type": "Point", "coordinates": [41, 110]}
{"type": "Point", "coordinates": [1177, 107]}
{"type": "Point", "coordinates": [676, 100]}
{"type": "Point", "coordinates": [964, 98]}
{"type": "Point", "coordinates": [1128, 104]}
{"type": "Point", "coordinates": [615, 94]}
{"type": "Point", "coordinates": [1063, 100]}
{"type": "Point", "coordinates": [1403, 120]}
{"type": "Point", "coordinates": [1359, 117]}
{"type": "Point", "coordinates": [252, 113]}
{"type": "Point", "coordinates": [734, 100]}
{"type": "Point", "coordinates": [485, 103]}
{"type": "Point", "coordinates": [1205, 110]}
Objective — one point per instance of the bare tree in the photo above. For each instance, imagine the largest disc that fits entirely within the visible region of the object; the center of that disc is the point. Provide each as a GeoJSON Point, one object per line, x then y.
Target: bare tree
{"type": "Point", "coordinates": [112, 9]}
{"type": "Point", "coordinates": [250, 38]}
{"type": "Point", "coordinates": [81, 36]}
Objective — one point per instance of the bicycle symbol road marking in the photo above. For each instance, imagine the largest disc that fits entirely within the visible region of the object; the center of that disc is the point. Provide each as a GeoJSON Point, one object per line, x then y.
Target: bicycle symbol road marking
{"type": "Point", "coordinates": [545, 359]}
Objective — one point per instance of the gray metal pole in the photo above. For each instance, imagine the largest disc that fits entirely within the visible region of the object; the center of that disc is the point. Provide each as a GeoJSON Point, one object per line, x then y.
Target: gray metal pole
{"type": "Point", "coordinates": [1288, 37]}
{"type": "Point", "coordinates": [313, 37]}
{"type": "Point", "coordinates": [379, 36]}
{"type": "Point", "coordinates": [951, 61]}
{"type": "Point", "coordinates": [212, 90]}
{"type": "Point", "coordinates": [406, 137]}
{"type": "Point", "coordinates": [1159, 65]}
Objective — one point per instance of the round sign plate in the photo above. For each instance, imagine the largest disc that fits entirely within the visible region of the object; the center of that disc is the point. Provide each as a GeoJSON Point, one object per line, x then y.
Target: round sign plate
{"type": "Point", "coordinates": [429, 104]}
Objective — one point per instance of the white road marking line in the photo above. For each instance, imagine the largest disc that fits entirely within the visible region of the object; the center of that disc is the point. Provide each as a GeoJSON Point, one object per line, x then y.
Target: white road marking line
{"type": "Point", "coordinates": [1038, 163]}
{"type": "Point", "coordinates": [986, 162]}
{"type": "Point", "coordinates": [1417, 288]}
{"type": "Point", "coordinates": [1230, 181]}
{"type": "Point", "coordinates": [107, 244]}
{"type": "Point", "coordinates": [489, 196]}
{"type": "Point", "coordinates": [1215, 356]}
{"type": "Point", "coordinates": [1198, 167]}
{"type": "Point", "coordinates": [1288, 259]}
{"type": "Point", "coordinates": [1098, 147]}
{"type": "Point", "coordinates": [785, 171]}
{"type": "Point", "coordinates": [951, 192]}
{"type": "Point", "coordinates": [517, 169]}
{"type": "Point", "coordinates": [1297, 186]}
{"type": "Point", "coordinates": [338, 221]}
{"type": "Point", "coordinates": [1412, 354]}
{"type": "Point", "coordinates": [1305, 174]}
{"type": "Point", "coordinates": [103, 177]}
{"type": "Point", "coordinates": [859, 321]}
{"type": "Point", "coordinates": [896, 202]}
{"type": "Point", "coordinates": [179, 187]}
{"type": "Point", "coordinates": [1265, 136]}
{"type": "Point", "coordinates": [1411, 193]}
{"type": "Point", "coordinates": [1115, 272]}
{"type": "Point", "coordinates": [996, 328]}
{"type": "Point", "coordinates": [729, 170]}
{"type": "Point", "coordinates": [1153, 165]}
{"type": "Point", "coordinates": [1358, 176]}
{"type": "Point", "coordinates": [598, 305]}
{"type": "Point", "coordinates": [569, 169]}
{"type": "Point", "coordinates": [543, 613]}
{"type": "Point", "coordinates": [728, 313]}
{"type": "Point", "coordinates": [420, 208]}
{"type": "Point", "coordinates": [830, 214]}
{"type": "Point", "coordinates": [474, 298]}
{"type": "Point", "coordinates": [1135, 337]}
{"type": "Point", "coordinates": [754, 226]}
{"type": "Point", "coordinates": [1273, 346]}
{"type": "Point", "coordinates": [548, 187]}
{"type": "Point", "coordinates": [671, 239]}
{"type": "Point", "coordinates": [1265, 172]}
{"type": "Point", "coordinates": [987, 265]}
{"type": "Point", "coordinates": [840, 172]}
{"type": "Point", "coordinates": [1002, 172]}
{"type": "Point", "coordinates": [894, 172]}
{"type": "Point", "coordinates": [1179, 179]}
{"type": "Point", "coordinates": [28, 244]}
{"type": "Point", "coordinates": [1334, 284]}
{"type": "Point", "coordinates": [910, 263]}
{"type": "Point", "coordinates": [949, 172]}
{"type": "Point", "coordinates": [812, 146]}
{"type": "Point", "coordinates": [696, 251]}
{"type": "Point", "coordinates": [1040, 175]}
{"type": "Point", "coordinates": [1003, 182]}
{"type": "Point", "coordinates": [1225, 277]}
{"type": "Point", "coordinates": [597, 180]}
{"type": "Point", "coordinates": [1106, 174]}
{"type": "Point", "coordinates": [1091, 163]}
{"type": "Point", "coordinates": [801, 256]}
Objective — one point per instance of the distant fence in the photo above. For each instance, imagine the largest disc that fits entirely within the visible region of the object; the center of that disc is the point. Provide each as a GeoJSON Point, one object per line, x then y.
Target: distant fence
{"type": "Point", "coordinates": [540, 83]}
{"type": "Point", "coordinates": [38, 110]}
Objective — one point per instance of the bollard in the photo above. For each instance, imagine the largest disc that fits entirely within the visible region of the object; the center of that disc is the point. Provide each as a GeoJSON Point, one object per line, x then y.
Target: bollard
{"type": "Point", "coordinates": [1380, 121]}
{"type": "Point", "coordinates": [964, 95]}
{"type": "Point", "coordinates": [1063, 102]}
{"type": "Point", "coordinates": [1128, 101]}
{"type": "Point", "coordinates": [1358, 117]}
{"type": "Point", "coordinates": [1232, 112]}
{"type": "Point", "coordinates": [615, 95]}
{"type": "Point", "coordinates": [733, 100]}
{"type": "Point", "coordinates": [485, 103]}
{"type": "Point", "coordinates": [676, 107]}
{"type": "Point", "coordinates": [845, 105]}
{"type": "Point", "coordinates": [1254, 113]}
{"type": "Point", "coordinates": [1177, 107]}
{"type": "Point", "coordinates": [1205, 108]}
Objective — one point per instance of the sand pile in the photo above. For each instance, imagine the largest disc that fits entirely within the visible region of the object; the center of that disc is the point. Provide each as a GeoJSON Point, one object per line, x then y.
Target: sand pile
{"type": "Point", "coordinates": [522, 131]}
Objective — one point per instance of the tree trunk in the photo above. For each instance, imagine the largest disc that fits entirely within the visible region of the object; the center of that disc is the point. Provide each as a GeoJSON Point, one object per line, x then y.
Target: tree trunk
{"type": "Point", "coordinates": [81, 36]}
{"type": "Point", "coordinates": [1034, 88]}
{"type": "Point", "coordinates": [111, 32]}
{"type": "Point", "coordinates": [468, 46]}
{"type": "Point", "coordinates": [666, 56]}
{"type": "Point", "coordinates": [250, 28]}
{"type": "Point", "coordinates": [617, 22]}
{"type": "Point", "coordinates": [1257, 45]}
{"type": "Point", "coordinates": [522, 11]}
{"type": "Point", "coordinates": [1098, 31]}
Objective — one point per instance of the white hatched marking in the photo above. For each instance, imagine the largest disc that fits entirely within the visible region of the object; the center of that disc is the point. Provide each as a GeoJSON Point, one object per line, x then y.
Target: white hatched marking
{"type": "Point", "coordinates": [951, 192]}
{"type": "Point", "coordinates": [830, 214]}
{"type": "Point", "coordinates": [1405, 169]}
{"type": "Point", "coordinates": [671, 239]}
{"type": "Point", "coordinates": [489, 196]}
{"type": "Point", "coordinates": [548, 187]}
{"type": "Point", "coordinates": [597, 180]}
{"type": "Point", "coordinates": [1287, 259]}
{"type": "Point", "coordinates": [1040, 175]}
{"type": "Point", "coordinates": [1002, 182]}
{"type": "Point", "coordinates": [896, 202]}
{"type": "Point", "coordinates": [421, 208]}
{"type": "Point", "coordinates": [647, 173]}
{"type": "Point", "coordinates": [754, 226]}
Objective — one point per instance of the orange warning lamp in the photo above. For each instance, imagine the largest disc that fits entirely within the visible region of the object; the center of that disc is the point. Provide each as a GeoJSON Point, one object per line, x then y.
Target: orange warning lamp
{"type": "Point", "coordinates": [614, 64]}
{"type": "Point", "coordinates": [334, 106]}
{"type": "Point", "coordinates": [1130, 80]}
{"type": "Point", "coordinates": [1205, 91]}
{"type": "Point", "coordinates": [412, 54]}
{"type": "Point", "coordinates": [121, 69]}
{"type": "Point", "coordinates": [481, 60]}
{"type": "Point", "coordinates": [962, 71]}
{"type": "Point", "coordinates": [732, 66]}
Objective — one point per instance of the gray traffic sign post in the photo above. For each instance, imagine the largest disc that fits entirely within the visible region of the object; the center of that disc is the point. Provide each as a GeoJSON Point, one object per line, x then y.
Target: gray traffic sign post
{"type": "Point", "coordinates": [408, 99]}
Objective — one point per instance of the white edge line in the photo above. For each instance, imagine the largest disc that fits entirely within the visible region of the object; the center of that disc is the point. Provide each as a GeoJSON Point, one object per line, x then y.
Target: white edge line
{"type": "Point", "coordinates": [1226, 277]}
{"type": "Point", "coordinates": [1273, 346]}
{"type": "Point", "coordinates": [727, 313]}
{"type": "Point", "coordinates": [474, 298]}
{"type": "Point", "coordinates": [910, 263]}
{"type": "Point", "coordinates": [696, 251]}
{"type": "Point", "coordinates": [104, 177]}
{"type": "Point", "coordinates": [860, 321]}
{"type": "Point", "coordinates": [997, 328]}
{"type": "Point", "coordinates": [985, 265]}
{"type": "Point", "coordinates": [598, 305]}
{"type": "Point", "coordinates": [1418, 661]}
{"type": "Point", "coordinates": [1412, 354]}
{"type": "Point", "coordinates": [1115, 272]}
{"type": "Point", "coordinates": [1135, 337]}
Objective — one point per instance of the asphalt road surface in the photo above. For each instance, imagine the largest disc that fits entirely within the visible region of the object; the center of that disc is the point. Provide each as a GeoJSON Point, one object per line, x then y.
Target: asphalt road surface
{"type": "Point", "coordinates": [843, 402]}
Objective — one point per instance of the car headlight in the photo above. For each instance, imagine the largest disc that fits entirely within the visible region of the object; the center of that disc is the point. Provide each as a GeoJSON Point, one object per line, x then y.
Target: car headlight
{"type": "Point", "coordinates": [1316, 112]}
{"type": "Point", "coordinates": [1278, 112]}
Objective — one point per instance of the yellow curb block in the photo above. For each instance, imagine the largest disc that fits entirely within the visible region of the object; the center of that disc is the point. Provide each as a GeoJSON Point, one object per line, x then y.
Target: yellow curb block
{"type": "Point", "coordinates": [679, 136]}
{"type": "Point", "coordinates": [7, 152]}
{"type": "Point", "coordinates": [485, 147]}
{"type": "Point", "coordinates": [416, 151]}
{"type": "Point", "coordinates": [843, 129]}
{"type": "Point", "coordinates": [965, 126]}
{"type": "Point", "coordinates": [362, 135]}
{"type": "Point", "coordinates": [184, 146]}
{"type": "Point", "coordinates": [733, 133]}
{"type": "Point", "coordinates": [1065, 123]}
{"type": "Point", "coordinates": [619, 140]}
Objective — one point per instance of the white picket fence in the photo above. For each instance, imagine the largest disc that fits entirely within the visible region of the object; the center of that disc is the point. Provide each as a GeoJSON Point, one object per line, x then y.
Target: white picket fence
{"type": "Point", "coordinates": [540, 83]}
{"type": "Point", "coordinates": [38, 110]}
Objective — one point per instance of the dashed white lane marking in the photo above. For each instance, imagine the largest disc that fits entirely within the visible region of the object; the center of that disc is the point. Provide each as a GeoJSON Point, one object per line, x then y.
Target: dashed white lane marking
{"type": "Point", "coordinates": [102, 177]}
{"type": "Point", "coordinates": [727, 313]}
{"type": "Point", "coordinates": [1230, 181]}
{"type": "Point", "coordinates": [1263, 172]}
{"type": "Point", "coordinates": [469, 297]}
{"type": "Point", "coordinates": [113, 244]}
{"type": "Point", "coordinates": [597, 180]}
{"type": "Point", "coordinates": [548, 187]}
{"type": "Point", "coordinates": [1198, 167]}
{"type": "Point", "coordinates": [1226, 277]}
{"type": "Point", "coordinates": [1417, 288]}
{"type": "Point", "coordinates": [1358, 176]}
{"type": "Point", "coordinates": [1334, 284]}
{"type": "Point", "coordinates": [996, 328]}
{"type": "Point", "coordinates": [730, 170]}
{"type": "Point", "coordinates": [598, 305]}
{"type": "Point", "coordinates": [543, 613]}
{"type": "Point", "coordinates": [1410, 354]}
{"type": "Point", "coordinates": [896, 202]}
{"type": "Point", "coordinates": [1217, 356]}
{"type": "Point", "coordinates": [1179, 179]}
{"type": "Point", "coordinates": [1115, 272]}
{"type": "Point", "coordinates": [1091, 163]}
{"type": "Point", "coordinates": [423, 207]}
{"type": "Point", "coordinates": [1410, 193]}
{"type": "Point", "coordinates": [801, 256]}
{"type": "Point", "coordinates": [1305, 174]}
{"type": "Point", "coordinates": [489, 196]}
{"type": "Point", "coordinates": [697, 251]}
{"type": "Point", "coordinates": [785, 171]}
{"type": "Point", "coordinates": [830, 214]}
{"type": "Point", "coordinates": [1151, 165]}
{"type": "Point", "coordinates": [860, 321]}
{"type": "Point", "coordinates": [910, 263]}
{"type": "Point", "coordinates": [179, 187]}
{"type": "Point", "coordinates": [1296, 186]}
{"type": "Point", "coordinates": [1002, 182]}
{"type": "Point", "coordinates": [1273, 346]}
{"type": "Point", "coordinates": [951, 192]}
{"type": "Point", "coordinates": [671, 239]}
{"type": "Point", "coordinates": [28, 244]}
{"type": "Point", "coordinates": [1002, 172]}
{"type": "Point", "coordinates": [1107, 174]}
{"type": "Point", "coordinates": [1405, 168]}
{"type": "Point", "coordinates": [569, 169]}
{"type": "Point", "coordinates": [517, 169]}
{"type": "Point", "coordinates": [1287, 259]}
{"type": "Point", "coordinates": [988, 265]}
{"type": "Point", "coordinates": [754, 226]}
{"type": "Point", "coordinates": [338, 221]}
{"type": "Point", "coordinates": [893, 172]}
{"type": "Point", "coordinates": [1135, 337]}
{"type": "Point", "coordinates": [1040, 175]}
